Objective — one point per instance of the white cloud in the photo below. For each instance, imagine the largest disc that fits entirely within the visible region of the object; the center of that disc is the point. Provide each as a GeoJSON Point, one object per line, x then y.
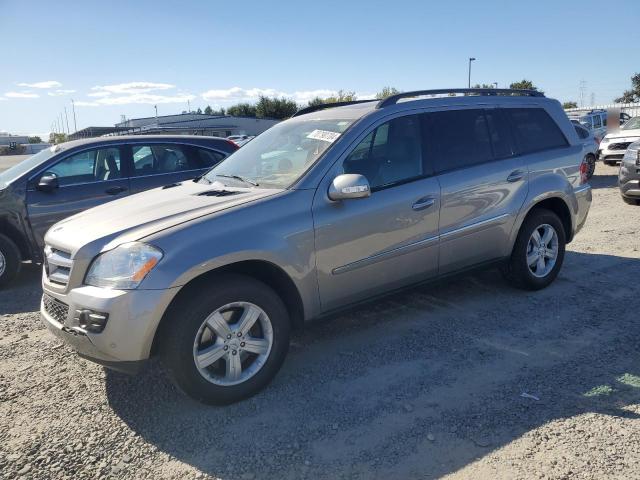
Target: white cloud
{"type": "Point", "coordinates": [238, 94]}
{"type": "Point", "coordinates": [132, 87]}
{"type": "Point", "coordinates": [21, 95]}
{"type": "Point", "coordinates": [99, 94]}
{"type": "Point", "coordinates": [47, 84]}
{"type": "Point", "coordinates": [86, 104]}
{"type": "Point", "coordinates": [2, 99]}
{"type": "Point", "coordinates": [140, 98]}
{"type": "Point", "coordinates": [60, 92]}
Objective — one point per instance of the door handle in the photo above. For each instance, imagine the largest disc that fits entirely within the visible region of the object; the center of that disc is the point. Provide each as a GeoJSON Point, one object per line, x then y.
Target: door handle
{"type": "Point", "coordinates": [115, 190]}
{"type": "Point", "coordinates": [515, 176]}
{"type": "Point", "coordinates": [423, 203]}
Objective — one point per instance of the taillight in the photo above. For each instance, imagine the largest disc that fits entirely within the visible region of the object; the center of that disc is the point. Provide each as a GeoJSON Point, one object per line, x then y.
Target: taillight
{"type": "Point", "coordinates": [584, 169]}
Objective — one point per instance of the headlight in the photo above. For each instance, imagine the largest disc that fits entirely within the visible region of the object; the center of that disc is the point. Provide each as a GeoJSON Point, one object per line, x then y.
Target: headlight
{"type": "Point", "coordinates": [605, 140]}
{"type": "Point", "coordinates": [124, 267]}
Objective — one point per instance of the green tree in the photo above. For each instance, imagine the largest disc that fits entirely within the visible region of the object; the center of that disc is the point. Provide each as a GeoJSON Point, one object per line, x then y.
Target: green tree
{"type": "Point", "coordinates": [208, 110]}
{"type": "Point", "coordinates": [56, 138]}
{"type": "Point", "coordinates": [279, 108]}
{"type": "Point", "coordinates": [199, 111]}
{"type": "Point", "coordinates": [34, 139]}
{"type": "Point", "coordinates": [484, 85]}
{"type": "Point", "coordinates": [523, 84]}
{"type": "Point", "coordinates": [633, 95]}
{"type": "Point", "coordinates": [242, 110]}
{"type": "Point", "coordinates": [387, 92]}
{"type": "Point", "coordinates": [342, 96]}
{"type": "Point", "coordinates": [316, 101]}
{"type": "Point", "coordinates": [567, 105]}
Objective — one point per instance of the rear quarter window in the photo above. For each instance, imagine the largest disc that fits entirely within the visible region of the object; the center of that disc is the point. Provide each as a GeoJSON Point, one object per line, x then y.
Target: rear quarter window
{"type": "Point", "coordinates": [535, 130]}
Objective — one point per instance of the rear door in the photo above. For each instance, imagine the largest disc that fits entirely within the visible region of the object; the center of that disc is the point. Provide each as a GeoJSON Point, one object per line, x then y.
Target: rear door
{"type": "Point", "coordinates": [157, 164]}
{"type": "Point", "coordinates": [483, 185]}
{"type": "Point", "coordinates": [86, 179]}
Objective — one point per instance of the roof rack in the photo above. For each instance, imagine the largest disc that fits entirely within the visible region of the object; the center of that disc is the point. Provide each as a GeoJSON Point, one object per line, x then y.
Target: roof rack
{"type": "Point", "coordinates": [322, 106]}
{"type": "Point", "coordinates": [392, 100]}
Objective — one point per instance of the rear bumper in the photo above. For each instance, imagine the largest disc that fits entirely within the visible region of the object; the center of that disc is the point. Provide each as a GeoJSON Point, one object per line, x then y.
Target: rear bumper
{"type": "Point", "coordinates": [583, 199]}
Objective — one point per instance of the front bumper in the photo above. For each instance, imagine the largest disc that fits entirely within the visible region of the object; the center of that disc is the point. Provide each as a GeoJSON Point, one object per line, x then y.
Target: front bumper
{"type": "Point", "coordinates": [606, 153]}
{"type": "Point", "coordinates": [629, 180]}
{"type": "Point", "coordinates": [126, 340]}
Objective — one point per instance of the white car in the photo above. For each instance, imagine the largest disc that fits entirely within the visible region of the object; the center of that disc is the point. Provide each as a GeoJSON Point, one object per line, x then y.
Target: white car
{"type": "Point", "coordinates": [614, 145]}
{"type": "Point", "coordinates": [595, 121]}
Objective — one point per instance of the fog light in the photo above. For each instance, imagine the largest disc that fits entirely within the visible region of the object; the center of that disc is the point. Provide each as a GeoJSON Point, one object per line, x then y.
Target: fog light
{"type": "Point", "coordinates": [91, 321]}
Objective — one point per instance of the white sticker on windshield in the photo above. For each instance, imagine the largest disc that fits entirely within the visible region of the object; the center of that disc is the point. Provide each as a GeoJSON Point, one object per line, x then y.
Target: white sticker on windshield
{"type": "Point", "coordinates": [324, 135]}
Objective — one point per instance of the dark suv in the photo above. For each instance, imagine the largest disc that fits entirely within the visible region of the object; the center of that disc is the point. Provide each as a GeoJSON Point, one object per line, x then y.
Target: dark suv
{"type": "Point", "coordinates": [68, 178]}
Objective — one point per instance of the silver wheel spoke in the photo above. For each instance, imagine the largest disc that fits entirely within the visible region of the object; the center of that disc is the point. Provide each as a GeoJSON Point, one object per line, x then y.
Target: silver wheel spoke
{"type": "Point", "coordinates": [547, 235]}
{"type": "Point", "coordinates": [536, 238]}
{"type": "Point", "coordinates": [532, 258]}
{"type": "Point", "coordinates": [551, 253]}
{"type": "Point", "coordinates": [218, 324]}
{"type": "Point", "coordinates": [540, 265]}
{"type": "Point", "coordinates": [248, 319]}
{"type": "Point", "coordinates": [234, 367]}
{"type": "Point", "coordinates": [258, 346]}
{"type": "Point", "coordinates": [210, 355]}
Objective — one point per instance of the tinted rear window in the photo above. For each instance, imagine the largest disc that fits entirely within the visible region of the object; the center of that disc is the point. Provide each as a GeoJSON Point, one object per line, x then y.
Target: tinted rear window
{"type": "Point", "coordinates": [582, 132]}
{"type": "Point", "coordinates": [459, 138]}
{"type": "Point", "coordinates": [535, 130]}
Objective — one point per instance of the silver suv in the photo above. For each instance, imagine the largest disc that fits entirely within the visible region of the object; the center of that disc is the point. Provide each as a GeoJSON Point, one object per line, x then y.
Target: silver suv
{"type": "Point", "coordinates": [336, 205]}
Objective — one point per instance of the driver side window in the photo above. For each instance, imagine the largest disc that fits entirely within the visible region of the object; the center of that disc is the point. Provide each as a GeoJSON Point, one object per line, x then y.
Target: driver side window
{"type": "Point", "coordinates": [88, 166]}
{"type": "Point", "coordinates": [390, 154]}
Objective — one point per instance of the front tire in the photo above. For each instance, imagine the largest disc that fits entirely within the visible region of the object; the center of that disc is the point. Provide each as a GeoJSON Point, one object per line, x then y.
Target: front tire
{"type": "Point", "coordinates": [10, 260]}
{"type": "Point", "coordinates": [538, 252]}
{"type": "Point", "coordinates": [225, 342]}
{"type": "Point", "coordinates": [630, 201]}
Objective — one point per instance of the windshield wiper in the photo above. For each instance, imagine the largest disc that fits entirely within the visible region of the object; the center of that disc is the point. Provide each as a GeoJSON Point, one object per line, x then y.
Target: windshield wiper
{"type": "Point", "coordinates": [237, 177]}
{"type": "Point", "coordinates": [200, 177]}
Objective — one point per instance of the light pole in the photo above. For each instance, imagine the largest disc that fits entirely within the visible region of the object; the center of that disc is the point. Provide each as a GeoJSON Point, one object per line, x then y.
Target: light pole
{"type": "Point", "coordinates": [495, 84]}
{"type": "Point", "coordinates": [471, 59]}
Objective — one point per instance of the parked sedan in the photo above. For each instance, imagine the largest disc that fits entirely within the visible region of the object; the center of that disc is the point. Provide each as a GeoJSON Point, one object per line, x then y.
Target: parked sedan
{"type": "Point", "coordinates": [629, 175]}
{"type": "Point", "coordinates": [68, 178]}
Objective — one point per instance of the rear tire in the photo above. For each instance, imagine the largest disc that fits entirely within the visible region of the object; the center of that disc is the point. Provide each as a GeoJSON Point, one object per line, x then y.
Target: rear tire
{"type": "Point", "coordinates": [631, 201]}
{"type": "Point", "coordinates": [524, 269]}
{"type": "Point", "coordinates": [10, 260]}
{"type": "Point", "coordinates": [193, 329]}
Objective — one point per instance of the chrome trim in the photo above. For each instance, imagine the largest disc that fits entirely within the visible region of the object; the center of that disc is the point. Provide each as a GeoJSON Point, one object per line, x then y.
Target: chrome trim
{"type": "Point", "coordinates": [134, 177]}
{"type": "Point", "coordinates": [378, 257]}
{"type": "Point", "coordinates": [582, 188]}
{"type": "Point", "coordinates": [474, 225]}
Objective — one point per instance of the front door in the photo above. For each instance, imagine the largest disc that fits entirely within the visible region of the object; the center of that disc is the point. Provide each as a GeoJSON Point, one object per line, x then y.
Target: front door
{"type": "Point", "coordinates": [390, 239]}
{"type": "Point", "coordinates": [85, 179]}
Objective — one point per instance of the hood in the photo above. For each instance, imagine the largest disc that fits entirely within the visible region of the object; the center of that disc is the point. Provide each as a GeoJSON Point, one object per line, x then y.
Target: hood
{"type": "Point", "coordinates": [633, 133]}
{"type": "Point", "coordinates": [137, 216]}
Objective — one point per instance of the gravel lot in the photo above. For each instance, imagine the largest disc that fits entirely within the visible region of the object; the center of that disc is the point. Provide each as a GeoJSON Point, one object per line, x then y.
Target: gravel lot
{"type": "Point", "coordinates": [426, 384]}
{"type": "Point", "coordinates": [7, 161]}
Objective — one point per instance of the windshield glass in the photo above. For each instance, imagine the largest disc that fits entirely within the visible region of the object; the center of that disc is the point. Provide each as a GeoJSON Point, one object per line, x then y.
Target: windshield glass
{"type": "Point", "coordinates": [632, 124]}
{"type": "Point", "coordinates": [279, 156]}
{"type": "Point", "coordinates": [26, 165]}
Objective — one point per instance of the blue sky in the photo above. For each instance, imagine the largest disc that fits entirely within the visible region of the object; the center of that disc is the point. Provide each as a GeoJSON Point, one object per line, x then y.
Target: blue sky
{"type": "Point", "coordinates": [122, 57]}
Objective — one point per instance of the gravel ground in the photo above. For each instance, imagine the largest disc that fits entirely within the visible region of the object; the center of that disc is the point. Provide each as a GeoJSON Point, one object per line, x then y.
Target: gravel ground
{"type": "Point", "coordinates": [467, 379]}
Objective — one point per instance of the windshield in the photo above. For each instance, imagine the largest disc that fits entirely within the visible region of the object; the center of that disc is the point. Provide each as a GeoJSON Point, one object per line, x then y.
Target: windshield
{"type": "Point", "coordinates": [26, 165]}
{"type": "Point", "coordinates": [279, 156]}
{"type": "Point", "coordinates": [631, 124]}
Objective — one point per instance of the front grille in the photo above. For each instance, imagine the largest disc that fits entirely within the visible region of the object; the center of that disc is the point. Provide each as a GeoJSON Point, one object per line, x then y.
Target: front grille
{"type": "Point", "coordinates": [57, 265]}
{"type": "Point", "coordinates": [55, 308]}
{"type": "Point", "coordinates": [619, 146]}
{"type": "Point", "coordinates": [613, 157]}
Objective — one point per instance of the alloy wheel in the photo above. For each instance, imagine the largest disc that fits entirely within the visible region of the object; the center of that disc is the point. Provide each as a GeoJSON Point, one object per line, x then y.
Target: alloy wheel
{"type": "Point", "coordinates": [542, 250]}
{"type": "Point", "coordinates": [233, 343]}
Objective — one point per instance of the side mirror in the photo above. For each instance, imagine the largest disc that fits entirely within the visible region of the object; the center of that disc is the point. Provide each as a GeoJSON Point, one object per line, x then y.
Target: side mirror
{"type": "Point", "coordinates": [349, 185]}
{"type": "Point", "coordinates": [48, 183]}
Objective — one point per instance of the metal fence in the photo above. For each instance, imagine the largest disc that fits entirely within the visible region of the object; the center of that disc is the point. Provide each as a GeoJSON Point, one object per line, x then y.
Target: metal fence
{"type": "Point", "coordinates": [632, 109]}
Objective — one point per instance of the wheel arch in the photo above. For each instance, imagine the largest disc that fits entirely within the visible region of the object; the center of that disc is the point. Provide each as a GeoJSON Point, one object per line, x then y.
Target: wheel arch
{"type": "Point", "coordinates": [8, 229]}
{"type": "Point", "coordinates": [262, 270]}
{"type": "Point", "coordinates": [557, 205]}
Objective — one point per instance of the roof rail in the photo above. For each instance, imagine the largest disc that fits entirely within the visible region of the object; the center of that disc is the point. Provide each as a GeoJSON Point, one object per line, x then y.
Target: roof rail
{"type": "Point", "coordinates": [322, 106]}
{"type": "Point", "coordinates": [392, 100]}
